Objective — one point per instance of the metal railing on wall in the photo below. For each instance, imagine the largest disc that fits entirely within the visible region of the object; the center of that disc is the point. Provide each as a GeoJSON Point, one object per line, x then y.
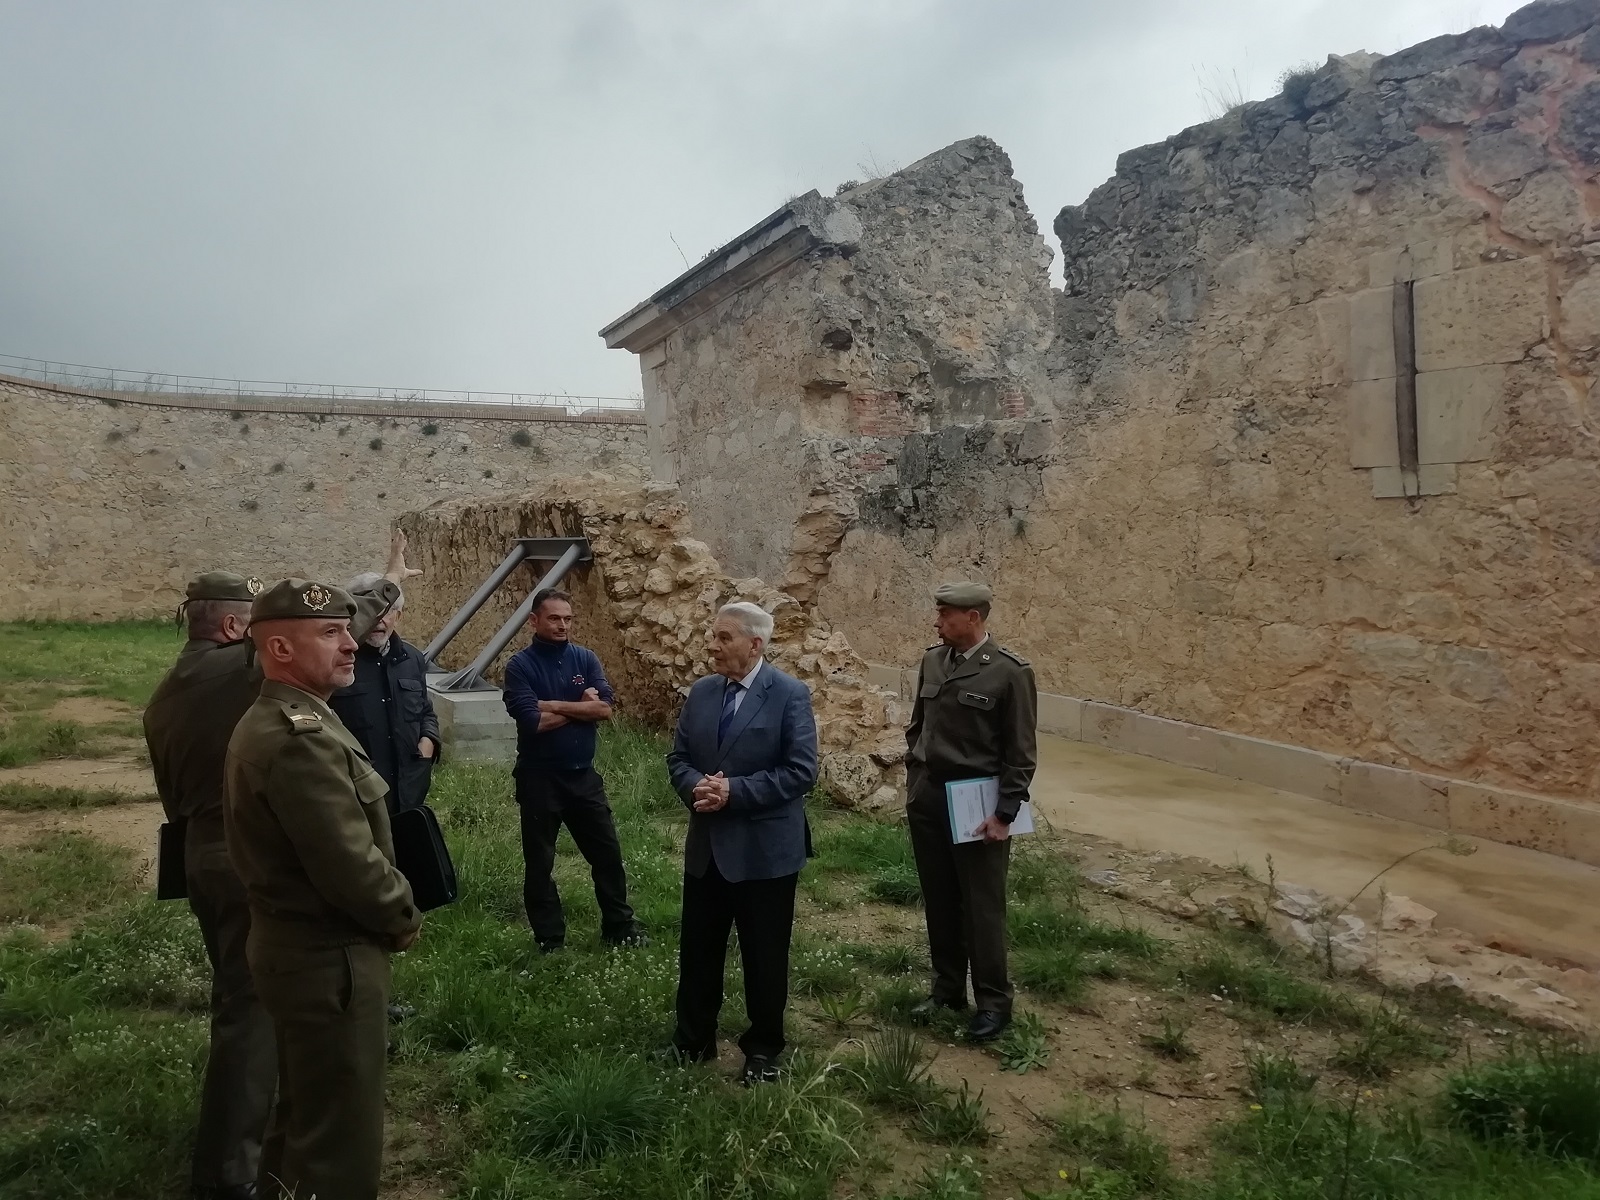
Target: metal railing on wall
{"type": "Point", "coordinates": [110, 379]}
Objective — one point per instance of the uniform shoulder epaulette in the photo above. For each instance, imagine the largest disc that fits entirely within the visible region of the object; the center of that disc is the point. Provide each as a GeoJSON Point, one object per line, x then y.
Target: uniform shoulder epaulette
{"type": "Point", "coordinates": [1014, 657]}
{"type": "Point", "coordinates": [935, 646]}
{"type": "Point", "coordinates": [304, 722]}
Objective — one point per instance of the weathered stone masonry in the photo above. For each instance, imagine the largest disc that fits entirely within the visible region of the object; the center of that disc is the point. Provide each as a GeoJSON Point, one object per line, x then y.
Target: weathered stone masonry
{"type": "Point", "coordinates": [646, 605]}
{"type": "Point", "coordinates": [112, 503]}
{"type": "Point", "coordinates": [1188, 475]}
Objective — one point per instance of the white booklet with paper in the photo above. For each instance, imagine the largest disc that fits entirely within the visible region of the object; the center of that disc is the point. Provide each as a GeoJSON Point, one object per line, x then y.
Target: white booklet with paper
{"type": "Point", "coordinates": [972, 801]}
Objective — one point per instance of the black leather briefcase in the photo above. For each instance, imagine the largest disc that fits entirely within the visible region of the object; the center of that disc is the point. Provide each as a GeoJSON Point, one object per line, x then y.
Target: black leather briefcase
{"type": "Point", "coordinates": [423, 858]}
{"type": "Point", "coordinates": [172, 881]}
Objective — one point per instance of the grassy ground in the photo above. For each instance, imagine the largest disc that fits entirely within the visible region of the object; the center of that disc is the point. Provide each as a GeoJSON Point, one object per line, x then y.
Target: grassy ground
{"type": "Point", "coordinates": [1248, 1076]}
{"type": "Point", "coordinates": [43, 664]}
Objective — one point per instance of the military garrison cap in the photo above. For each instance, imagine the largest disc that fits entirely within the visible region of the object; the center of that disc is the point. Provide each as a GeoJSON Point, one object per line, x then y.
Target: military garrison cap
{"type": "Point", "coordinates": [223, 585]}
{"type": "Point", "coordinates": [963, 595]}
{"type": "Point", "coordinates": [294, 598]}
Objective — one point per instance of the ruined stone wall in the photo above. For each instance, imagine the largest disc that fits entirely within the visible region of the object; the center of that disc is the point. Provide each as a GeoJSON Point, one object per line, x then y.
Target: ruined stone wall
{"type": "Point", "coordinates": [1202, 509]}
{"type": "Point", "coordinates": [110, 506]}
{"type": "Point", "coordinates": [1220, 530]}
{"type": "Point", "coordinates": [929, 306]}
{"type": "Point", "coordinates": [645, 605]}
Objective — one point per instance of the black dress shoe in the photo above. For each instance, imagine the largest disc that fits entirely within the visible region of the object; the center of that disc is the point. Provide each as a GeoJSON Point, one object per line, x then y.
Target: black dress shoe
{"type": "Point", "coordinates": [401, 1012]}
{"type": "Point", "coordinates": [925, 1010]}
{"type": "Point", "coordinates": [552, 945]}
{"type": "Point", "coordinates": [225, 1191]}
{"type": "Point", "coordinates": [987, 1025]}
{"type": "Point", "coordinates": [637, 940]}
{"type": "Point", "coordinates": [758, 1068]}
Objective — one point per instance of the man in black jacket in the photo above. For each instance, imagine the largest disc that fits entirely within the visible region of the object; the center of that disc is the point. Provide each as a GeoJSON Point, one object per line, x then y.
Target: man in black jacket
{"type": "Point", "coordinates": [388, 707]}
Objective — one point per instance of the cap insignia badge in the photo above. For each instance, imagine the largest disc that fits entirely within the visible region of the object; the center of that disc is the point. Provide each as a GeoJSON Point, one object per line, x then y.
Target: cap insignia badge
{"type": "Point", "coordinates": [316, 596]}
{"type": "Point", "coordinates": [253, 586]}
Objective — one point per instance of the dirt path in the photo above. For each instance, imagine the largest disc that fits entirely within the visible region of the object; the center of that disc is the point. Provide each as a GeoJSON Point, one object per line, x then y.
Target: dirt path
{"type": "Point", "coordinates": [90, 710]}
{"type": "Point", "coordinates": [130, 825]}
{"type": "Point", "coordinates": [122, 773]}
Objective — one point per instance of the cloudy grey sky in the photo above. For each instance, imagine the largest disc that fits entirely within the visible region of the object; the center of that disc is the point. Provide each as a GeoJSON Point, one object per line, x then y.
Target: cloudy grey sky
{"type": "Point", "coordinates": [460, 194]}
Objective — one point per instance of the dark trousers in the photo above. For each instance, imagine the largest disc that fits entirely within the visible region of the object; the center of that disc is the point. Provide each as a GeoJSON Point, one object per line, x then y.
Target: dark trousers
{"type": "Point", "coordinates": [577, 798]}
{"type": "Point", "coordinates": [964, 899]}
{"type": "Point", "coordinates": [242, 1066]}
{"type": "Point", "coordinates": [763, 912]}
{"type": "Point", "coordinates": [330, 1015]}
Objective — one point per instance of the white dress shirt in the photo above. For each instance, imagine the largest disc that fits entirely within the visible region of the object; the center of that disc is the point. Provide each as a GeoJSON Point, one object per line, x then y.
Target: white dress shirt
{"type": "Point", "coordinates": [744, 685]}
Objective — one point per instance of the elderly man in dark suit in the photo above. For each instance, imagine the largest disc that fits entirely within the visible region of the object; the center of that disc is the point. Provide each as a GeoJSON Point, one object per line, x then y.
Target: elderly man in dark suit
{"type": "Point", "coordinates": [743, 758]}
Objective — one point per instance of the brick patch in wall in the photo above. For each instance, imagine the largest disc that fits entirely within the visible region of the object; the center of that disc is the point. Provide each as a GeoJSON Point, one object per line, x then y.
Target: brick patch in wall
{"type": "Point", "coordinates": [881, 414]}
{"type": "Point", "coordinates": [869, 461]}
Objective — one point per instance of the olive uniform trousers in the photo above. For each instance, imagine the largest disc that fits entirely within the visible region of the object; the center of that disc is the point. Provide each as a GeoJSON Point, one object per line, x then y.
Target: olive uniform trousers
{"type": "Point", "coordinates": [241, 1069]}
{"type": "Point", "coordinates": [964, 899]}
{"type": "Point", "coordinates": [329, 1009]}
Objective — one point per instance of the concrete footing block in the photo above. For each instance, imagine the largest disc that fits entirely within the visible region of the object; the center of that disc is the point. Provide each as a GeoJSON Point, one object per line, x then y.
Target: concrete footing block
{"type": "Point", "coordinates": [1278, 765]}
{"type": "Point", "coordinates": [1569, 828]}
{"type": "Point", "coordinates": [1061, 715]}
{"type": "Point", "coordinates": [1394, 792]}
{"type": "Point", "coordinates": [475, 726]}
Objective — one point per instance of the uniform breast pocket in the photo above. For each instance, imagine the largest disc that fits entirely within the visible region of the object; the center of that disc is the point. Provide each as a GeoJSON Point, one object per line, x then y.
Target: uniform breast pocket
{"type": "Point", "coordinates": [370, 786]}
{"type": "Point", "coordinates": [929, 691]}
{"type": "Point", "coordinates": [976, 700]}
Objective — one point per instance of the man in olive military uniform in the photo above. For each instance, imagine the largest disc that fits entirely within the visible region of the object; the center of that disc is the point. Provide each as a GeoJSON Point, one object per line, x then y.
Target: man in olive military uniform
{"type": "Point", "coordinates": [973, 718]}
{"type": "Point", "coordinates": [186, 727]}
{"type": "Point", "coordinates": [308, 832]}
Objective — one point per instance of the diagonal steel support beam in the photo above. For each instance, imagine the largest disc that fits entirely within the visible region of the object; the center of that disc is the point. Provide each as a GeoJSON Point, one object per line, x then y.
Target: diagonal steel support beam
{"type": "Point", "coordinates": [567, 553]}
{"type": "Point", "coordinates": [458, 620]}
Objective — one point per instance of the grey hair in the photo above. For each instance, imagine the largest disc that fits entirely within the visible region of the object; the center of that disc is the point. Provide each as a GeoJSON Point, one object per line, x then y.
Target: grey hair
{"type": "Point", "coordinates": [368, 580]}
{"type": "Point", "coordinates": [205, 616]}
{"type": "Point", "coordinates": [752, 618]}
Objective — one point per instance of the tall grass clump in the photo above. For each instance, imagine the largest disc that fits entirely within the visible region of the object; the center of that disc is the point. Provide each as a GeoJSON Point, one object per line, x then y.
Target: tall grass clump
{"type": "Point", "coordinates": [876, 849]}
{"type": "Point", "coordinates": [1300, 1148]}
{"type": "Point", "coordinates": [1547, 1099]}
{"type": "Point", "coordinates": [587, 1109]}
{"type": "Point", "coordinates": [893, 1071]}
{"type": "Point", "coordinates": [1217, 971]}
{"type": "Point", "coordinates": [1107, 1138]}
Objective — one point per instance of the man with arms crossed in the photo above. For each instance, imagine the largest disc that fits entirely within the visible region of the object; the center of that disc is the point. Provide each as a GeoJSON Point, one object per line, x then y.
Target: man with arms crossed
{"type": "Point", "coordinates": [557, 693]}
{"type": "Point", "coordinates": [973, 718]}
{"type": "Point", "coordinates": [308, 832]}
{"type": "Point", "coordinates": [743, 759]}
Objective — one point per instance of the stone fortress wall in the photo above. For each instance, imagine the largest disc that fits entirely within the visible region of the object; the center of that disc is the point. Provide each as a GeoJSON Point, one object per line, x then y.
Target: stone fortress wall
{"type": "Point", "coordinates": [113, 502]}
{"type": "Point", "coordinates": [1295, 479]}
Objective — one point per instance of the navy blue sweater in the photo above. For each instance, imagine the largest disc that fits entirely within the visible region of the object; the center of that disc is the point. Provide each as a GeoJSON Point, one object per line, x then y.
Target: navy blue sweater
{"type": "Point", "coordinates": [553, 671]}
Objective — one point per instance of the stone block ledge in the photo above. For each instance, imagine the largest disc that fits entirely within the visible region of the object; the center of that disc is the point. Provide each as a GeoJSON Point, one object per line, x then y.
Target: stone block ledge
{"type": "Point", "coordinates": [307, 405]}
{"type": "Point", "coordinates": [1567, 828]}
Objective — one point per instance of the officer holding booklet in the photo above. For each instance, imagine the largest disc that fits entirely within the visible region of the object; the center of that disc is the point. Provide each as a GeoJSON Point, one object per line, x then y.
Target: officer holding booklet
{"type": "Point", "coordinates": [973, 719]}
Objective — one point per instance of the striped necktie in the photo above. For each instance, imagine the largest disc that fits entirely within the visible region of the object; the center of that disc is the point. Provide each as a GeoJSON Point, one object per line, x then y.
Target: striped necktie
{"type": "Point", "coordinates": [729, 695]}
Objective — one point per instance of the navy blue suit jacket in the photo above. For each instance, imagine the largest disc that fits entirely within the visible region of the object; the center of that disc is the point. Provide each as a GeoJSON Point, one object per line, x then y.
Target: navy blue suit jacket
{"type": "Point", "coordinates": [770, 760]}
